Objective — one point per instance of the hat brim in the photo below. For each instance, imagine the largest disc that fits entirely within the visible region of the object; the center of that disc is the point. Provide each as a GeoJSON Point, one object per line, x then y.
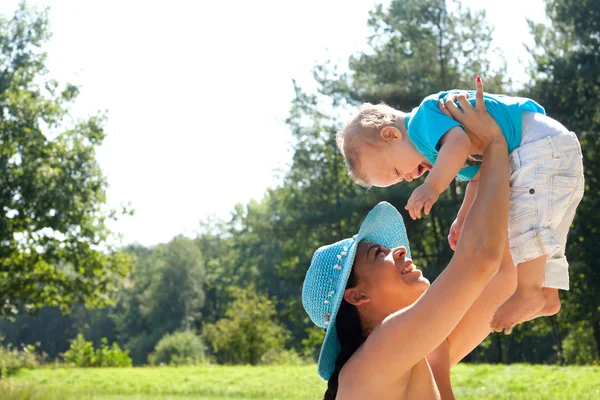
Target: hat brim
{"type": "Point", "coordinates": [383, 225]}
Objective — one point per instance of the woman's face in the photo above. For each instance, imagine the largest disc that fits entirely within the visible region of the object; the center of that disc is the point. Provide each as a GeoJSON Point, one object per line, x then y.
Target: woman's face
{"type": "Point", "coordinates": [386, 279]}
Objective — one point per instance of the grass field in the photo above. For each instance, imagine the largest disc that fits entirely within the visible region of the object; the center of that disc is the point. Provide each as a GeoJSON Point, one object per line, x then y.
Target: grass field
{"type": "Point", "coordinates": [286, 382]}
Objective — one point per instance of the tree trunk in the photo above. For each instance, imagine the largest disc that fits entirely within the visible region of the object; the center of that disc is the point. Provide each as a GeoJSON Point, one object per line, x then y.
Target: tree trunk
{"type": "Point", "coordinates": [596, 326]}
{"type": "Point", "coordinates": [338, 225]}
{"type": "Point", "coordinates": [186, 318]}
{"type": "Point", "coordinates": [437, 232]}
{"type": "Point", "coordinates": [441, 53]}
{"type": "Point", "coordinates": [499, 348]}
{"type": "Point", "coordinates": [557, 336]}
{"type": "Point", "coordinates": [469, 357]}
{"type": "Point", "coordinates": [453, 192]}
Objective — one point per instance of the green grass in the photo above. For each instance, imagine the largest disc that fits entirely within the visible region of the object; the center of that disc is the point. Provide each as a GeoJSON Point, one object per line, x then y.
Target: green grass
{"type": "Point", "coordinates": [518, 381]}
{"type": "Point", "coordinates": [522, 381]}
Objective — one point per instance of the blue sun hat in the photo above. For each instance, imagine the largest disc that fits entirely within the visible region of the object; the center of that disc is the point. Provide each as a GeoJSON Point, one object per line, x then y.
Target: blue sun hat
{"type": "Point", "coordinates": [330, 269]}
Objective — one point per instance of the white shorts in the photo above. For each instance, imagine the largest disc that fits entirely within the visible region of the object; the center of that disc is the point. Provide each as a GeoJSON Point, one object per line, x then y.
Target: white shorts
{"type": "Point", "coordinates": [546, 186]}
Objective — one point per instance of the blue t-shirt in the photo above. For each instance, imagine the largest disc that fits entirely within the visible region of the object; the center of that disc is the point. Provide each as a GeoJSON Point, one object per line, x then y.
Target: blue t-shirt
{"type": "Point", "coordinates": [426, 124]}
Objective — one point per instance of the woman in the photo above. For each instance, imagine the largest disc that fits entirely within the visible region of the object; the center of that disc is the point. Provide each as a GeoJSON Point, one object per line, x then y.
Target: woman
{"type": "Point", "coordinates": [389, 334]}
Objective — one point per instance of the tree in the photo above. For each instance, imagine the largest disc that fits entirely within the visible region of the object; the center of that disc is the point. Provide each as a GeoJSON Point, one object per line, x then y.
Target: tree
{"type": "Point", "coordinates": [50, 330]}
{"type": "Point", "coordinates": [248, 330]}
{"type": "Point", "coordinates": [264, 249]}
{"type": "Point", "coordinates": [415, 48]}
{"type": "Point", "coordinates": [53, 234]}
{"type": "Point", "coordinates": [566, 80]}
{"type": "Point", "coordinates": [167, 295]}
{"type": "Point", "coordinates": [216, 245]}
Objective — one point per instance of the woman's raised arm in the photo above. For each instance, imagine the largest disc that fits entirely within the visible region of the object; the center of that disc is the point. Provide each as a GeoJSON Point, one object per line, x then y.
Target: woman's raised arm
{"type": "Point", "coordinates": [407, 336]}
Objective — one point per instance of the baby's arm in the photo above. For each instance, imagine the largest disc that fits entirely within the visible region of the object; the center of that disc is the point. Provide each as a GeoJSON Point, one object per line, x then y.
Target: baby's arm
{"type": "Point", "coordinates": [470, 193]}
{"type": "Point", "coordinates": [455, 149]}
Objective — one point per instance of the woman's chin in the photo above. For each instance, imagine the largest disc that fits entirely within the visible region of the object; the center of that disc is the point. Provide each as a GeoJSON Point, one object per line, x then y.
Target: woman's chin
{"type": "Point", "coordinates": [422, 283]}
{"type": "Point", "coordinates": [415, 277]}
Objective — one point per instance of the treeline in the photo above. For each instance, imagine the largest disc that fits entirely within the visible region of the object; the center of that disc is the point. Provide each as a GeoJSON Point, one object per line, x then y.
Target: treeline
{"type": "Point", "coordinates": [237, 285]}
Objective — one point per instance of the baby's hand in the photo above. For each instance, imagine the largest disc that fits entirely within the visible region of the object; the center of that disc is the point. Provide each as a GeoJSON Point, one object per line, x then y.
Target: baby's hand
{"type": "Point", "coordinates": [425, 197]}
{"type": "Point", "coordinates": [455, 230]}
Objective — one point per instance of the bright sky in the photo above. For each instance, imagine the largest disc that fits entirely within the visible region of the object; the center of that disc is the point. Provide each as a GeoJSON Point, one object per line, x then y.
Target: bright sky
{"type": "Point", "coordinates": [197, 91]}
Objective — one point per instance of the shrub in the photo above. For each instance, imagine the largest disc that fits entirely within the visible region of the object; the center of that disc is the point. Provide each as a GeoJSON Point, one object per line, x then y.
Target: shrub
{"type": "Point", "coordinates": [111, 356]}
{"type": "Point", "coordinates": [248, 331]}
{"type": "Point", "coordinates": [179, 348]}
{"type": "Point", "coordinates": [579, 346]}
{"type": "Point", "coordinates": [82, 354]}
{"type": "Point", "coordinates": [13, 359]}
{"type": "Point", "coordinates": [284, 357]}
{"type": "Point", "coordinates": [311, 345]}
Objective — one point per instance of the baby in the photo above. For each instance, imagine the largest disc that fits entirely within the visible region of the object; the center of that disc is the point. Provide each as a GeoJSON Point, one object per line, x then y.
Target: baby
{"type": "Point", "coordinates": [383, 146]}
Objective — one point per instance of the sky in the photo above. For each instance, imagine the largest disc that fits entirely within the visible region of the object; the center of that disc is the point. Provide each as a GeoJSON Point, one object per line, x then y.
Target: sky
{"type": "Point", "coordinates": [196, 92]}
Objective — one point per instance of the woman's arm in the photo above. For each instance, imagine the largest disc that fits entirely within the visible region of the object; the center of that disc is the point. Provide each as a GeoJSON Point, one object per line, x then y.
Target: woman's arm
{"type": "Point", "coordinates": [439, 362]}
{"type": "Point", "coordinates": [409, 335]}
{"type": "Point", "coordinates": [475, 325]}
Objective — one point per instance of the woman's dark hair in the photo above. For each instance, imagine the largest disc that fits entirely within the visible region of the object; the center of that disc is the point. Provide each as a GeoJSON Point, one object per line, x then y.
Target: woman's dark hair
{"type": "Point", "coordinates": [349, 333]}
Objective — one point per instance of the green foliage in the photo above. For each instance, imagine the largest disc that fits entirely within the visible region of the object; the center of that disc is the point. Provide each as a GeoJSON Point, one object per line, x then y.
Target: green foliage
{"type": "Point", "coordinates": [248, 330]}
{"type": "Point", "coordinates": [111, 356]}
{"type": "Point", "coordinates": [52, 191]}
{"type": "Point", "coordinates": [82, 354]}
{"type": "Point", "coordinates": [566, 80]}
{"type": "Point", "coordinates": [167, 295]}
{"type": "Point", "coordinates": [222, 271]}
{"type": "Point", "coordinates": [284, 357]}
{"type": "Point", "coordinates": [13, 359]}
{"type": "Point", "coordinates": [579, 346]}
{"type": "Point", "coordinates": [311, 345]}
{"type": "Point", "coordinates": [52, 331]}
{"type": "Point", "coordinates": [415, 48]}
{"type": "Point", "coordinates": [179, 348]}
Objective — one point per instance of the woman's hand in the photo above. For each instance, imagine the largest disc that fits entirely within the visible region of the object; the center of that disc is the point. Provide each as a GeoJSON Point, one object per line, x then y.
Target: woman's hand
{"type": "Point", "coordinates": [480, 126]}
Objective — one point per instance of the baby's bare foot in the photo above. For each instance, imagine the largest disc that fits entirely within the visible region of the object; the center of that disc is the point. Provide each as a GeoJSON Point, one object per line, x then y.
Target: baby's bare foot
{"type": "Point", "coordinates": [523, 304]}
{"type": "Point", "coordinates": [551, 304]}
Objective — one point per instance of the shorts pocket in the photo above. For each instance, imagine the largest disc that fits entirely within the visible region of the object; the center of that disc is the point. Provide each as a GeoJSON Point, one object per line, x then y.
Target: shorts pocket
{"type": "Point", "coordinates": [524, 176]}
{"type": "Point", "coordinates": [562, 190]}
{"type": "Point", "coordinates": [522, 211]}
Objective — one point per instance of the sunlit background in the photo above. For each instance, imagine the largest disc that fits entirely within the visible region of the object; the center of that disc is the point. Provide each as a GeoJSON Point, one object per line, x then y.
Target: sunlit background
{"type": "Point", "coordinates": [197, 92]}
{"type": "Point", "coordinates": [235, 180]}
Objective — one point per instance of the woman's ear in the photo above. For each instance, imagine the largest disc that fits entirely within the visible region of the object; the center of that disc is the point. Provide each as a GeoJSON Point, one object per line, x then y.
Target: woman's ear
{"type": "Point", "coordinates": [355, 297]}
{"type": "Point", "coordinates": [390, 133]}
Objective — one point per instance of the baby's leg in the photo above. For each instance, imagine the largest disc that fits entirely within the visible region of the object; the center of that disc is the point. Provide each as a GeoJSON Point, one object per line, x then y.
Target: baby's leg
{"type": "Point", "coordinates": [527, 301]}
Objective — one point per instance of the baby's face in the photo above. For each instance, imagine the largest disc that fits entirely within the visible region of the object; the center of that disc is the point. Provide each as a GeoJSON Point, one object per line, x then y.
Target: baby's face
{"type": "Point", "coordinates": [396, 162]}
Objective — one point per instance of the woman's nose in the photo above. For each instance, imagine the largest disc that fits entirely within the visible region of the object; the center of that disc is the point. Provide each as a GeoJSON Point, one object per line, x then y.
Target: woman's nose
{"type": "Point", "coordinates": [399, 252]}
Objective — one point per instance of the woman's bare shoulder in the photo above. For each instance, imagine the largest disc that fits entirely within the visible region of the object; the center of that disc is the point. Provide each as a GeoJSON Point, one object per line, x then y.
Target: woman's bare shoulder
{"type": "Point", "coordinates": [360, 381]}
{"type": "Point", "coordinates": [365, 368]}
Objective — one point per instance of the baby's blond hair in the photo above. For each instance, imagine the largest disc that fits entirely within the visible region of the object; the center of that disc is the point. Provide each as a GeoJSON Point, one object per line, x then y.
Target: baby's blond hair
{"type": "Point", "coordinates": [364, 129]}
